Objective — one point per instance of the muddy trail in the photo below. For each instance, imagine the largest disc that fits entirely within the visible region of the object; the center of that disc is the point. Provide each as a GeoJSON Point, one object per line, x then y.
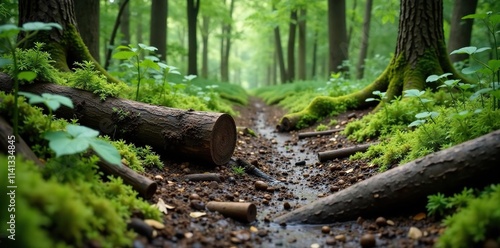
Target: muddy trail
{"type": "Point", "coordinates": [289, 176]}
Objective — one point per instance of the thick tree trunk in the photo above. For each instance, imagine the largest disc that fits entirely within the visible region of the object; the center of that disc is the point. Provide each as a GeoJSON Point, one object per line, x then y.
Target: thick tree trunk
{"type": "Point", "coordinates": [360, 67]}
{"type": "Point", "coordinates": [337, 35]}
{"type": "Point", "coordinates": [226, 45]}
{"type": "Point", "coordinates": [87, 16]}
{"type": "Point", "coordinates": [158, 27]}
{"type": "Point", "coordinates": [473, 163]}
{"type": "Point", "coordinates": [420, 52]}
{"type": "Point", "coordinates": [314, 55]}
{"type": "Point", "coordinates": [461, 30]}
{"type": "Point", "coordinates": [125, 22]}
{"type": "Point", "coordinates": [111, 44]}
{"type": "Point", "coordinates": [202, 135]}
{"type": "Point", "coordinates": [204, 43]}
{"type": "Point", "coordinates": [192, 13]}
{"type": "Point", "coordinates": [291, 47]}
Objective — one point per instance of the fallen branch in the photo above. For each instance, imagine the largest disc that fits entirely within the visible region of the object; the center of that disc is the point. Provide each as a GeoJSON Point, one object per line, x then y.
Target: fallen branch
{"type": "Point", "coordinates": [472, 164]}
{"type": "Point", "coordinates": [203, 177]}
{"type": "Point", "coordinates": [318, 133]}
{"type": "Point", "coordinates": [344, 152]}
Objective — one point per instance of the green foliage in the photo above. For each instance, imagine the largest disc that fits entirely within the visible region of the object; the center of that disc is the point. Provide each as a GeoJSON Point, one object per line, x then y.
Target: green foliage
{"type": "Point", "coordinates": [477, 220]}
{"type": "Point", "coordinates": [322, 127]}
{"type": "Point", "coordinates": [71, 210]}
{"type": "Point", "coordinates": [238, 170]}
{"type": "Point", "coordinates": [137, 158]}
{"type": "Point", "coordinates": [85, 77]}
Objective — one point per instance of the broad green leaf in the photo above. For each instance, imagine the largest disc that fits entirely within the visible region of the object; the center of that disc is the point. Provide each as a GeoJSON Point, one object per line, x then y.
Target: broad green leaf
{"type": "Point", "coordinates": [124, 55]}
{"type": "Point", "coordinates": [26, 75]}
{"type": "Point", "coordinates": [8, 30]}
{"type": "Point", "coordinates": [147, 63]}
{"type": "Point", "coordinates": [465, 50]}
{"type": "Point", "coordinates": [495, 93]}
{"type": "Point", "coordinates": [153, 58]}
{"type": "Point", "coordinates": [482, 49]}
{"type": "Point", "coordinates": [52, 104]}
{"type": "Point", "coordinates": [189, 77]}
{"type": "Point", "coordinates": [147, 48]}
{"type": "Point", "coordinates": [434, 78]}
{"type": "Point", "coordinates": [59, 98]}
{"type": "Point", "coordinates": [33, 99]}
{"type": "Point", "coordinates": [480, 92]}
{"type": "Point", "coordinates": [476, 16]}
{"type": "Point", "coordinates": [371, 99]}
{"type": "Point", "coordinates": [425, 100]}
{"type": "Point", "coordinates": [494, 64]}
{"type": "Point", "coordinates": [416, 123]}
{"type": "Point", "coordinates": [413, 93]}
{"type": "Point", "coordinates": [35, 26]}
{"type": "Point", "coordinates": [465, 86]}
{"type": "Point", "coordinates": [451, 83]}
{"type": "Point", "coordinates": [106, 151]}
{"type": "Point", "coordinates": [123, 48]}
{"type": "Point", "coordinates": [423, 115]}
{"type": "Point", "coordinates": [472, 69]}
{"type": "Point", "coordinates": [63, 144]}
{"type": "Point", "coordinates": [4, 62]}
{"type": "Point", "coordinates": [81, 131]}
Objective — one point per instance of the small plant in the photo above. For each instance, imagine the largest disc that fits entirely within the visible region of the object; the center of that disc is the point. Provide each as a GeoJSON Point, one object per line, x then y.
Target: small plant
{"type": "Point", "coordinates": [238, 170]}
{"type": "Point", "coordinates": [133, 54]}
{"type": "Point", "coordinates": [381, 97]}
{"type": "Point", "coordinates": [85, 77]}
{"type": "Point", "coordinates": [321, 127]}
{"type": "Point", "coordinates": [53, 102]}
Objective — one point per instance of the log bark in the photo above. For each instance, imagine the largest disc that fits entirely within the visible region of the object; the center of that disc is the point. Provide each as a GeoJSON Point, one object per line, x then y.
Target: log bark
{"type": "Point", "coordinates": [206, 136]}
{"type": "Point", "coordinates": [342, 153]}
{"type": "Point", "coordinates": [473, 163]}
{"type": "Point", "coordinates": [318, 133]}
{"type": "Point", "coordinates": [21, 147]}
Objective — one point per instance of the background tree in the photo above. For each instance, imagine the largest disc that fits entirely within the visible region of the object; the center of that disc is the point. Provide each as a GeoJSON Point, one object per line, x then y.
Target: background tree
{"type": "Point", "coordinates": [337, 35]}
{"type": "Point", "coordinates": [125, 23]}
{"type": "Point", "coordinates": [205, 31]}
{"type": "Point", "coordinates": [420, 52]}
{"type": "Point", "coordinates": [158, 27]}
{"type": "Point", "coordinates": [461, 30]}
{"type": "Point", "coordinates": [290, 73]}
{"type": "Point", "coordinates": [226, 42]}
{"type": "Point", "coordinates": [192, 15]}
{"type": "Point", "coordinates": [364, 39]}
{"type": "Point", "coordinates": [87, 17]}
{"type": "Point", "coordinates": [280, 59]}
{"type": "Point", "coordinates": [302, 43]}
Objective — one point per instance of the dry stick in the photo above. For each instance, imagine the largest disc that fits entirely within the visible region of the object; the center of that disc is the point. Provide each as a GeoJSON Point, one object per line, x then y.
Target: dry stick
{"type": "Point", "coordinates": [344, 152]}
{"type": "Point", "coordinates": [203, 177]}
{"type": "Point", "coordinates": [143, 185]}
{"type": "Point", "coordinates": [473, 164]}
{"type": "Point", "coordinates": [314, 134]}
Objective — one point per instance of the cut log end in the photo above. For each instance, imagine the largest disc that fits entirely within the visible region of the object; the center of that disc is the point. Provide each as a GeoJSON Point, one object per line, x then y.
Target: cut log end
{"type": "Point", "coordinates": [223, 140]}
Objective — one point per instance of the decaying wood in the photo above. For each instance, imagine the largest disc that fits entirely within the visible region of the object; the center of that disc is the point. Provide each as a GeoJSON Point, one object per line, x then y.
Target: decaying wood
{"type": "Point", "coordinates": [318, 133]}
{"type": "Point", "coordinates": [203, 177]}
{"type": "Point", "coordinates": [472, 163]}
{"type": "Point", "coordinates": [342, 153]}
{"type": "Point", "coordinates": [21, 148]}
{"type": "Point", "coordinates": [200, 135]}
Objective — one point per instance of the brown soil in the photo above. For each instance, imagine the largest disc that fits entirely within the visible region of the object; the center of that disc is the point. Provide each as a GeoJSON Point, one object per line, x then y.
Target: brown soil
{"type": "Point", "coordinates": [300, 179]}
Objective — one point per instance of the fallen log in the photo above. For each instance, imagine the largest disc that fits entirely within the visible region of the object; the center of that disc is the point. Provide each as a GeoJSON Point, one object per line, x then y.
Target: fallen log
{"type": "Point", "coordinates": [473, 163]}
{"type": "Point", "coordinates": [203, 135]}
{"type": "Point", "coordinates": [318, 133]}
{"type": "Point", "coordinates": [143, 185]}
{"type": "Point", "coordinates": [341, 153]}
{"type": "Point", "coordinates": [21, 148]}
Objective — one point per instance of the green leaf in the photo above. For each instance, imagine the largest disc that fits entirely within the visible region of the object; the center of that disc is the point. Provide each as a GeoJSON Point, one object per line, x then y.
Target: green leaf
{"type": "Point", "coordinates": [494, 64]}
{"type": "Point", "coordinates": [416, 123]}
{"type": "Point", "coordinates": [482, 49]}
{"type": "Point", "coordinates": [106, 151]}
{"type": "Point", "coordinates": [423, 115]}
{"type": "Point", "coordinates": [8, 30]}
{"type": "Point", "coordinates": [147, 63]}
{"type": "Point", "coordinates": [33, 99]}
{"type": "Point", "coordinates": [124, 55]}
{"type": "Point", "coordinates": [26, 75]}
{"type": "Point", "coordinates": [413, 93]}
{"type": "Point", "coordinates": [451, 83]}
{"type": "Point", "coordinates": [81, 131]}
{"type": "Point", "coordinates": [471, 70]}
{"type": "Point", "coordinates": [58, 98]}
{"type": "Point", "coordinates": [479, 93]}
{"type": "Point", "coordinates": [434, 78]}
{"type": "Point", "coordinates": [147, 48]}
{"type": "Point", "coordinates": [63, 144]}
{"type": "Point", "coordinates": [425, 100]}
{"type": "Point", "coordinates": [371, 99]}
{"type": "Point", "coordinates": [465, 50]}
{"type": "Point", "coordinates": [476, 16]}
{"type": "Point", "coordinates": [35, 26]}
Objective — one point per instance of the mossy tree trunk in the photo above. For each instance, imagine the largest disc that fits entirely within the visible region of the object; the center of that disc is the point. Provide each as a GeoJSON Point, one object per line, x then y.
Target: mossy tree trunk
{"type": "Point", "coordinates": [420, 52]}
{"type": "Point", "coordinates": [65, 46]}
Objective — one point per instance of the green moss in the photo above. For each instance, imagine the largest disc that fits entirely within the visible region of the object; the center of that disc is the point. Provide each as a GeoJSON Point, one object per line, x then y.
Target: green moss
{"type": "Point", "coordinates": [85, 77]}
{"type": "Point", "coordinates": [137, 158]}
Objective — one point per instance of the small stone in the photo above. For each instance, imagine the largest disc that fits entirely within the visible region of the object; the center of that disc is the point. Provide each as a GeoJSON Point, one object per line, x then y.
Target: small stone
{"type": "Point", "coordinates": [286, 205]}
{"type": "Point", "coordinates": [194, 196]}
{"type": "Point", "coordinates": [351, 115]}
{"type": "Point", "coordinates": [235, 240]}
{"type": "Point", "coordinates": [367, 240]}
{"type": "Point", "coordinates": [261, 185]}
{"type": "Point", "coordinates": [213, 185]}
{"type": "Point", "coordinates": [414, 233]}
{"type": "Point", "coordinates": [330, 241]}
{"type": "Point", "coordinates": [334, 188]}
{"type": "Point", "coordinates": [360, 220]}
{"type": "Point", "coordinates": [197, 205]}
{"type": "Point", "coordinates": [340, 182]}
{"type": "Point", "coordinates": [303, 162]}
{"type": "Point", "coordinates": [268, 197]}
{"type": "Point", "coordinates": [262, 233]}
{"type": "Point", "coordinates": [325, 229]}
{"type": "Point", "coordinates": [340, 237]}
{"type": "Point", "coordinates": [390, 222]}
{"type": "Point", "coordinates": [381, 221]}
{"type": "Point", "coordinates": [315, 245]}
{"type": "Point", "coordinates": [154, 223]}
{"type": "Point", "coordinates": [159, 177]}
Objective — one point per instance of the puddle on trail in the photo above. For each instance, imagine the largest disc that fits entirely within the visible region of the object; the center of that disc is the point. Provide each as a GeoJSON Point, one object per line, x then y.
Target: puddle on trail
{"type": "Point", "coordinates": [284, 160]}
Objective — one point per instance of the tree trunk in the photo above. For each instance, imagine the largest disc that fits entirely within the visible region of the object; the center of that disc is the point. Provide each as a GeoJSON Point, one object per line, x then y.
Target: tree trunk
{"type": "Point", "coordinates": [192, 13]}
{"type": "Point", "coordinates": [290, 75]}
{"type": "Point", "coordinates": [203, 135]}
{"type": "Point", "coordinates": [337, 35]}
{"type": "Point", "coordinates": [461, 30]}
{"type": "Point", "coordinates": [158, 27]}
{"type": "Point", "coordinates": [111, 44]}
{"type": "Point", "coordinates": [87, 17]}
{"type": "Point", "coordinates": [302, 44]}
{"type": "Point", "coordinates": [125, 23]}
{"type": "Point", "coordinates": [360, 67]}
{"type": "Point", "coordinates": [226, 45]}
{"type": "Point", "coordinates": [314, 55]}
{"type": "Point", "coordinates": [204, 43]}
{"type": "Point", "coordinates": [420, 52]}
{"type": "Point", "coordinates": [472, 164]}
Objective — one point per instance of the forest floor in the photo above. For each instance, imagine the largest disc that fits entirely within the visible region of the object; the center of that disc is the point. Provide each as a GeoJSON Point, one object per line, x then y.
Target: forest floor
{"type": "Point", "coordinates": [300, 179]}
